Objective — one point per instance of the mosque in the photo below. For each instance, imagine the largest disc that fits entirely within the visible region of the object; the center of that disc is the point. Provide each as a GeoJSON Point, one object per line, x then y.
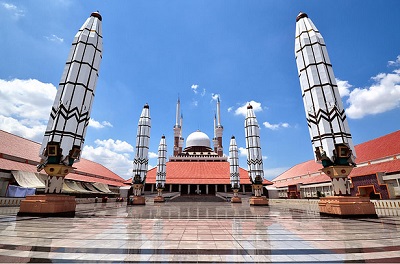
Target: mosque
{"type": "Point", "coordinates": [199, 168]}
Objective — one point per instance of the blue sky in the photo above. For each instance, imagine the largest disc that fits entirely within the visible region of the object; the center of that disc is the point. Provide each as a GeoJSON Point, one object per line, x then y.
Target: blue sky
{"type": "Point", "coordinates": [241, 50]}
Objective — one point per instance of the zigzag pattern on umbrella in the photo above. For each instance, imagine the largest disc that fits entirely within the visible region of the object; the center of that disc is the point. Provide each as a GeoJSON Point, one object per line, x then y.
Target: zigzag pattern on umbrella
{"type": "Point", "coordinates": [140, 161]}
{"type": "Point", "coordinates": [328, 116]}
{"type": "Point", "coordinates": [161, 174]}
{"type": "Point", "coordinates": [68, 114]}
{"type": "Point", "coordinates": [254, 162]}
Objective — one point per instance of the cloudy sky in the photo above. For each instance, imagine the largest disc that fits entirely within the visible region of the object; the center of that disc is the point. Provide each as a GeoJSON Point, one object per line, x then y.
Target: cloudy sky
{"type": "Point", "coordinates": [241, 51]}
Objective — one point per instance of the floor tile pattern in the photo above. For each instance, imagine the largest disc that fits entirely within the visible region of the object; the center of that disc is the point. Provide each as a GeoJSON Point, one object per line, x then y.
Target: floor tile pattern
{"type": "Point", "coordinates": [197, 233]}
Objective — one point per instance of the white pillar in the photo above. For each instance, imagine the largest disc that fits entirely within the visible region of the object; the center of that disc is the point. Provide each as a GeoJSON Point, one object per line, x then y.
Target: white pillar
{"type": "Point", "coordinates": [244, 191]}
{"type": "Point", "coordinates": [180, 188]}
{"type": "Point", "coordinates": [152, 188]}
{"type": "Point", "coordinates": [225, 189]}
{"type": "Point", "coordinates": [206, 188]}
{"type": "Point", "coordinates": [198, 189]}
{"type": "Point", "coordinates": [170, 188]}
{"type": "Point", "coordinates": [216, 188]}
{"type": "Point", "coordinates": [188, 189]}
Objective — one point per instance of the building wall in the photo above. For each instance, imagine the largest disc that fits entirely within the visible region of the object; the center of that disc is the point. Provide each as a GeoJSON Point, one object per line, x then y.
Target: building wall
{"type": "Point", "coordinates": [364, 185]}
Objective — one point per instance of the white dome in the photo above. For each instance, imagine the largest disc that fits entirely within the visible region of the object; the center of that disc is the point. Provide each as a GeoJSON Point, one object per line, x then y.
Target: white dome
{"type": "Point", "coordinates": [198, 139]}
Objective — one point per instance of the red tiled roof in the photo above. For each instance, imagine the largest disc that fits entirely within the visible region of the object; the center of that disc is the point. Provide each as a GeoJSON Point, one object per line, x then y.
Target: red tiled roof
{"type": "Point", "coordinates": [199, 173]}
{"type": "Point", "coordinates": [388, 167]}
{"type": "Point", "coordinates": [385, 146]}
{"type": "Point", "coordinates": [379, 148]}
{"type": "Point", "coordinates": [29, 150]}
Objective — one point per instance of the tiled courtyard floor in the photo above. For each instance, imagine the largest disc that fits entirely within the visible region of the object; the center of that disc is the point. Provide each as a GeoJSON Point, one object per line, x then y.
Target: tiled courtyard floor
{"type": "Point", "coordinates": [196, 233]}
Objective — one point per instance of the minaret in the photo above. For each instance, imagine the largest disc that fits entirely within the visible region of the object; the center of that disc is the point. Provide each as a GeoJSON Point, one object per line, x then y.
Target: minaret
{"type": "Point", "coordinates": [219, 130]}
{"type": "Point", "coordinates": [215, 141]}
{"type": "Point", "coordinates": [65, 133]}
{"type": "Point", "coordinates": [177, 129]}
{"type": "Point", "coordinates": [161, 170]}
{"type": "Point", "coordinates": [234, 170]}
{"type": "Point", "coordinates": [141, 160]}
{"type": "Point", "coordinates": [254, 157]}
{"type": "Point", "coordinates": [326, 118]}
{"type": "Point", "coordinates": [181, 139]}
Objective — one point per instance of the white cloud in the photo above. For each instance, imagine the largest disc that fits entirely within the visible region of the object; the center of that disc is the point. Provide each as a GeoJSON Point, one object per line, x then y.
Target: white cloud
{"type": "Point", "coordinates": [242, 110]}
{"type": "Point", "coordinates": [25, 107]}
{"type": "Point", "coordinates": [275, 126]}
{"type": "Point", "coordinates": [242, 152]}
{"type": "Point", "coordinates": [54, 38]}
{"type": "Point", "coordinates": [194, 88]}
{"type": "Point", "coordinates": [382, 96]}
{"type": "Point", "coordinates": [214, 97]}
{"type": "Point", "coordinates": [15, 11]}
{"type": "Point", "coordinates": [14, 126]}
{"type": "Point", "coordinates": [119, 163]}
{"type": "Point", "coordinates": [344, 87]}
{"type": "Point", "coordinates": [230, 109]}
{"type": "Point", "coordinates": [153, 155]}
{"type": "Point", "coordinates": [272, 173]}
{"type": "Point", "coordinates": [203, 92]}
{"type": "Point", "coordinates": [96, 124]}
{"type": "Point", "coordinates": [115, 145]}
{"type": "Point", "coordinates": [394, 63]}
{"type": "Point", "coordinates": [195, 103]}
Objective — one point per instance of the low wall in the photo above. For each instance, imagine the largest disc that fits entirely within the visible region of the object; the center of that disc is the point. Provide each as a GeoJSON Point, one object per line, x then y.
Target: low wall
{"type": "Point", "coordinates": [383, 207]}
{"type": "Point", "coordinates": [15, 202]}
{"type": "Point", "coordinates": [10, 201]}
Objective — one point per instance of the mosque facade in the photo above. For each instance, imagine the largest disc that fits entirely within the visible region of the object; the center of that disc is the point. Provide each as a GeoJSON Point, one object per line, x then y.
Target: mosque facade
{"type": "Point", "coordinates": [198, 167]}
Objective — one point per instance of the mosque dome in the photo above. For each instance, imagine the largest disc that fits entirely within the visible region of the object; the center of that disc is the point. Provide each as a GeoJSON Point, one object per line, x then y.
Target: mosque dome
{"type": "Point", "coordinates": [198, 139]}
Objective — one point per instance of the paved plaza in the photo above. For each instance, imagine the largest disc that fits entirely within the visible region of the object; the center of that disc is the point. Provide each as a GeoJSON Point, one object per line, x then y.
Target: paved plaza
{"type": "Point", "coordinates": [217, 232]}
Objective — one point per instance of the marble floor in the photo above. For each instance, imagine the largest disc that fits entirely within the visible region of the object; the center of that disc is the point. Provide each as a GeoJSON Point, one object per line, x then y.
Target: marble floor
{"type": "Point", "coordinates": [196, 233]}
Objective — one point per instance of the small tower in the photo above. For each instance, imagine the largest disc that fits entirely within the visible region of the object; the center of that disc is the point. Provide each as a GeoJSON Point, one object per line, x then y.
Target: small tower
{"type": "Point", "coordinates": [219, 129]}
{"type": "Point", "coordinates": [215, 141]}
{"type": "Point", "coordinates": [178, 129]}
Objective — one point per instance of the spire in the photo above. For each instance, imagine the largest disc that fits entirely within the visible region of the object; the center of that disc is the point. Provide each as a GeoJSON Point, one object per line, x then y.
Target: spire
{"type": "Point", "coordinates": [215, 125]}
{"type": "Point", "coordinates": [218, 113]}
{"type": "Point", "coordinates": [178, 109]}
{"type": "Point", "coordinates": [181, 124]}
